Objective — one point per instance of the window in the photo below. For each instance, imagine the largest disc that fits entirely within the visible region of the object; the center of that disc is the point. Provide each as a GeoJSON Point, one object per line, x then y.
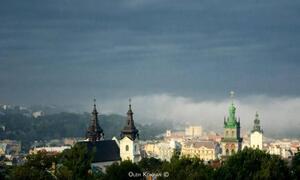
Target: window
{"type": "Point", "coordinates": [127, 148]}
{"type": "Point", "coordinates": [227, 152]}
{"type": "Point", "coordinates": [135, 148]}
{"type": "Point", "coordinates": [232, 133]}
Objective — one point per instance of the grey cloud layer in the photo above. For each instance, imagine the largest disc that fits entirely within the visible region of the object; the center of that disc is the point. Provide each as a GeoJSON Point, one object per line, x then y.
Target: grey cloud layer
{"type": "Point", "coordinates": [65, 52]}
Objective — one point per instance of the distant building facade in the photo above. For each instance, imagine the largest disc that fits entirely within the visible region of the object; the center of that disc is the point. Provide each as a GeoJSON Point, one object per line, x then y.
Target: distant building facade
{"type": "Point", "coordinates": [205, 150]}
{"type": "Point", "coordinates": [38, 114]}
{"type": "Point", "coordinates": [177, 136]}
{"type": "Point", "coordinates": [10, 147]}
{"type": "Point", "coordinates": [162, 150]}
{"type": "Point", "coordinates": [50, 150]}
{"type": "Point", "coordinates": [193, 131]}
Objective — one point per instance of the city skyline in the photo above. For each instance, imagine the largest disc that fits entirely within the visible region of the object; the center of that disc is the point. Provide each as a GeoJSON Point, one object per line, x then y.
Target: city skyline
{"type": "Point", "coordinates": [149, 89]}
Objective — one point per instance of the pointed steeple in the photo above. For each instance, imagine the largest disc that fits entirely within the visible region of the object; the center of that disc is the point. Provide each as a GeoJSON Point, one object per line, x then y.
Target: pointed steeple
{"type": "Point", "coordinates": [94, 132]}
{"type": "Point", "coordinates": [256, 126]}
{"type": "Point", "coordinates": [129, 129]}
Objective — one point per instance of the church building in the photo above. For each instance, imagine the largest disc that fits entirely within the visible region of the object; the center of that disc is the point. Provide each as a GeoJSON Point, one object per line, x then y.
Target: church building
{"type": "Point", "coordinates": [129, 141]}
{"type": "Point", "coordinates": [256, 137]}
{"type": "Point", "coordinates": [231, 141]}
{"type": "Point", "coordinates": [105, 152]}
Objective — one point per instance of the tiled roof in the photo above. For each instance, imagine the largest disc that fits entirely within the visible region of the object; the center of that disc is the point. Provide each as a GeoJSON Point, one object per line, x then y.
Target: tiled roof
{"type": "Point", "coordinates": [199, 144]}
{"type": "Point", "coordinates": [105, 150]}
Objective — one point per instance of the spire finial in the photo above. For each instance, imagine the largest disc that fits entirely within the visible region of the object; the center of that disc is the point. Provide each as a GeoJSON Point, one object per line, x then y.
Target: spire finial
{"type": "Point", "coordinates": [129, 100]}
{"type": "Point", "coordinates": [232, 93]}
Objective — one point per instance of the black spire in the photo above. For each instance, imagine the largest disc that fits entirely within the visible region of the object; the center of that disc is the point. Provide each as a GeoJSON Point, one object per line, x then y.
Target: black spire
{"type": "Point", "coordinates": [256, 126]}
{"type": "Point", "coordinates": [94, 132]}
{"type": "Point", "coordinates": [129, 129]}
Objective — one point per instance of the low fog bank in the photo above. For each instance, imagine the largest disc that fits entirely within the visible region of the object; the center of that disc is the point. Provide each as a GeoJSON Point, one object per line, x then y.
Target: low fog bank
{"type": "Point", "coordinates": [279, 115]}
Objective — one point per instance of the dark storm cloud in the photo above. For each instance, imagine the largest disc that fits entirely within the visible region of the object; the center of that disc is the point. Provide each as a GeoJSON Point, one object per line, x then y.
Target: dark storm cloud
{"type": "Point", "coordinates": [65, 52]}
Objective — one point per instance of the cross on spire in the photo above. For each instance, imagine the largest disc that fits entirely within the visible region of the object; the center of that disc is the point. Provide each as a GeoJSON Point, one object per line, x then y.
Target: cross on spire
{"type": "Point", "coordinates": [232, 93]}
{"type": "Point", "coordinates": [129, 100]}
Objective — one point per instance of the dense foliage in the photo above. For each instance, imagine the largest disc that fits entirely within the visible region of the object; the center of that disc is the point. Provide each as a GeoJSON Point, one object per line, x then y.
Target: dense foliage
{"type": "Point", "coordinates": [296, 166]}
{"type": "Point", "coordinates": [56, 126]}
{"type": "Point", "coordinates": [38, 166]}
{"type": "Point", "coordinates": [186, 168]}
{"type": "Point", "coordinates": [75, 164]}
{"type": "Point", "coordinates": [253, 164]}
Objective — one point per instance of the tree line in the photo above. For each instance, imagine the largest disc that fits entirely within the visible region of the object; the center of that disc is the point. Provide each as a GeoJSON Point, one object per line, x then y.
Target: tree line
{"type": "Point", "coordinates": [75, 163]}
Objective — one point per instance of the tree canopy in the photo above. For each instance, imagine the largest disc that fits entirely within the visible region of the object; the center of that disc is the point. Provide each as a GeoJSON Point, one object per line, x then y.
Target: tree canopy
{"type": "Point", "coordinates": [253, 164]}
{"type": "Point", "coordinates": [75, 163]}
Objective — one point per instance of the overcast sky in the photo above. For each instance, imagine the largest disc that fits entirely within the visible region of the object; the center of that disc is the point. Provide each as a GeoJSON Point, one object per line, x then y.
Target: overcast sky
{"type": "Point", "coordinates": [65, 52]}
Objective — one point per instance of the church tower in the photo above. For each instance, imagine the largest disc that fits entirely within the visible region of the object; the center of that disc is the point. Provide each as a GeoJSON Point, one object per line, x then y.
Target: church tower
{"type": "Point", "coordinates": [256, 137]}
{"type": "Point", "coordinates": [129, 143]}
{"type": "Point", "coordinates": [94, 131]}
{"type": "Point", "coordinates": [231, 141]}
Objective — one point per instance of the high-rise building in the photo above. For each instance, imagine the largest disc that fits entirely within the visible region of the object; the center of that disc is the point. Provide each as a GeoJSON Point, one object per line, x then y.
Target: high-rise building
{"type": "Point", "coordinates": [231, 141]}
{"type": "Point", "coordinates": [129, 143]}
{"type": "Point", "coordinates": [256, 137]}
